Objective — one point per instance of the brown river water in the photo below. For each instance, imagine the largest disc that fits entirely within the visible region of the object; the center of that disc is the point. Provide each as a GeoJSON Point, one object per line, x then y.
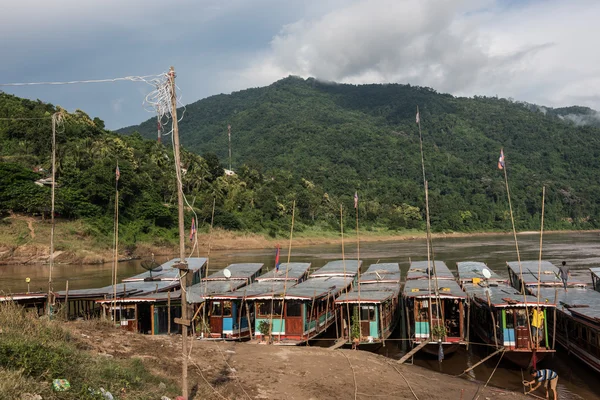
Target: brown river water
{"type": "Point", "coordinates": [581, 250]}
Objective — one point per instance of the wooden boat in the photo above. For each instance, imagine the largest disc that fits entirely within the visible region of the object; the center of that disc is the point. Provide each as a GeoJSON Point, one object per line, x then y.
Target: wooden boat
{"type": "Point", "coordinates": [31, 301]}
{"type": "Point", "coordinates": [434, 317]}
{"type": "Point", "coordinates": [309, 307]}
{"type": "Point", "coordinates": [577, 321]}
{"type": "Point", "coordinates": [93, 302]}
{"type": "Point", "coordinates": [243, 300]}
{"type": "Point", "coordinates": [372, 305]}
{"type": "Point", "coordinates": [499, 315]}
{"type": "Point", "coordinates": [526, 274]}
{"type": "Point", "coordinates": [221, 314]}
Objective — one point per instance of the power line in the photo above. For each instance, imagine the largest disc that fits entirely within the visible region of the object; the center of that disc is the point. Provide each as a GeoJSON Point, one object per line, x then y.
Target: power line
{"type": "Point", "coordinates": [125, 78]}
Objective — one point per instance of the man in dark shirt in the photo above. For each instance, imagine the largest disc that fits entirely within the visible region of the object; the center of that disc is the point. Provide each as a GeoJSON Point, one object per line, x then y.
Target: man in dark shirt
{"type": "Point", "coordinates": [546, 376]}
{"type": "Point", "coordinates": [564, 274]}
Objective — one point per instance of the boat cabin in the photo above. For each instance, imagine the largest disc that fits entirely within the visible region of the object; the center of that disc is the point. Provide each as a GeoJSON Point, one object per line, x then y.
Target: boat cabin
{"type": "Point", "coordinates": [369, 312]}
{"type": "Point", "coordinates": [32, 301]}
{"type": "Point", "coordinates": [266, 286]}
{"type": "Point", "coordinates": [595, 278]}
{"type": "Point", "coordinates": [221, 316]}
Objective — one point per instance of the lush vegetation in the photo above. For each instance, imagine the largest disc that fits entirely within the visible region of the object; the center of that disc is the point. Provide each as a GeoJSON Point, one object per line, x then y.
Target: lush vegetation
{"type": "Point", "coordinates": [341, 138]}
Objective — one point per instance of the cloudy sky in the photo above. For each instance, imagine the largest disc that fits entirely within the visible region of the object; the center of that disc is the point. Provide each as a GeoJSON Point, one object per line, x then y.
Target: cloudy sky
{"type": "Point", "coordinates": [542, 51]}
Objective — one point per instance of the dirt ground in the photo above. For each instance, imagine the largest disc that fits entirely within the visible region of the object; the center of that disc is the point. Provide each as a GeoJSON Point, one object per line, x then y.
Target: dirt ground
{"type": "Point", "coordinates": [228, 370]}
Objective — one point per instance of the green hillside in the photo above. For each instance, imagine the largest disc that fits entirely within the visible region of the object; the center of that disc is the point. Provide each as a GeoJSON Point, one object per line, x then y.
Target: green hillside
{"type": "Point", "coordinates": [364, 137]}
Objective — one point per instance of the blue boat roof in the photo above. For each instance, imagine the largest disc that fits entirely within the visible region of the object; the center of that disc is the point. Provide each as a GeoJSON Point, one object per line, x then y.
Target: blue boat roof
{"type": "Point", "coordinates": [287, 271]}
{"type": "Point", "coordinates": [338, 268]}
{"type": "Point", "coordinates": [238, 271]}
{"type": "Point", "coordinates": [318, 287]}
{"type": "Point", "coordinates": [419, 269]}
{"type": "Point", "coordinates": [467, 270]}
{"type": "Point", "coordinates": [258, 289]}
{"type": "Point", "coordinates": [420, 288]}
{"type": "Point", "coordinates": [579, 301]}
{"type": "Point", "coordinates": [379, 273]}
{"type": "Point", "coordinates": [166, 271]}
{"type": "Point", "coordinates": [207, 289]}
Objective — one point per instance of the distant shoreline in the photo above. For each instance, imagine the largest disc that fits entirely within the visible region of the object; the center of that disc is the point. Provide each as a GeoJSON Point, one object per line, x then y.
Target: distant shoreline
{"type": "Point", "coordinates": [27, 242]}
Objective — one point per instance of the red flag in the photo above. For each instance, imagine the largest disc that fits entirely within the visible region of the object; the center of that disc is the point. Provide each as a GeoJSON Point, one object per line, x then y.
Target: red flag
{"type": "Point", "coordinates": [193, 229]}
{"type": "Point", "coordinates": [501, 159]}
{"type": "Point", "coordinates": [117, 172]}
{"type": "Point", "coordinates": [277, 259]}
{"type": "Point", "coordinates": [355, 199]}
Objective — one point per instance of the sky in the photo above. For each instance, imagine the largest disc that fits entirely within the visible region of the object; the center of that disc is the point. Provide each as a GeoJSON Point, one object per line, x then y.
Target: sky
{"type": "Point", "coordinates": [539, 51]}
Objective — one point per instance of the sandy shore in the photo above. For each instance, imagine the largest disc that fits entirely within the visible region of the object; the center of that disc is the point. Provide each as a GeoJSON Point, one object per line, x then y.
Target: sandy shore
{"type": "Point", "coordinates": [244, 370]}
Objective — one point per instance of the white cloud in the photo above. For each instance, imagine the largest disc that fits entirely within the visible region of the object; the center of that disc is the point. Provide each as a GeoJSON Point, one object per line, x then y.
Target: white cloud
{"type": "Point", "coordinates": [535, 51]}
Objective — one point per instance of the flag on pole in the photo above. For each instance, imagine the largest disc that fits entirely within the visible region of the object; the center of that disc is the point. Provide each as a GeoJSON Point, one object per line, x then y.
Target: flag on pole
{"type": "Point", "coordinates": [193, 229]}
{"type": "Point", "coordinates": [501, 159]}
{"type": "Point", "coordinates": [418, 119]}
{"type": "Point", "coordinates": [355, 199]}
{"type": "Point", "coordinates": [117, 172]}
{"type": "Point", "coordinates": [277, 259]}
{"type": "Point", "coordinates": [229, 131]}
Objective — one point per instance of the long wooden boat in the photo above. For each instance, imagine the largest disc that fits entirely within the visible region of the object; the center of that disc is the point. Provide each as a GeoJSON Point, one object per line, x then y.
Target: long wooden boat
{"type": "Point", "coordinates": [577, 321]}
{"type": "Point", "coordinates": [309, 306]}
{"type": "Point", "coordinates": [499, 315]}
{"type": "Point", "coordinates": [434, 317]}
{"type": "Point", "coordinates": [373, 305]}
{"type": "Point", "coordinates": [243, 302]}
{"type": "Point", "coordinates": [525, 274]}
{"type": "Point", "coordinates": [84, 303]}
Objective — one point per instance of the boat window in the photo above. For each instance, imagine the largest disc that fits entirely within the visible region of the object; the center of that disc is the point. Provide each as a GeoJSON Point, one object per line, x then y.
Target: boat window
{"type": "Point", "coordinates": [293, 309]}
{"type": "Point", "coordinates": [216, 309]}
{"type": "Point", "coordinates": [367, 313]}
{"type": "Point", "coordinates": [264, 308]}
{"type": "Point", "coordinates": [227, 309]}
{"type": "Point", "coordinates": [510, 319]}
{"type": "Point", "coordinates": [277, 308]}
{"type": "Point", "coordinates": [521, 318]}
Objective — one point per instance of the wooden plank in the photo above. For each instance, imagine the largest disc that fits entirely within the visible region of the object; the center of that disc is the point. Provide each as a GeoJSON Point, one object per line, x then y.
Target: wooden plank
{"type": "Point", "coordinates": [181, 321]}
{"type": "Point", "coordinates": [412, 352]}
{"type": "Point", "coordinates": [338, 343]}
{"type": "Point", "coordinates": [482, 361]}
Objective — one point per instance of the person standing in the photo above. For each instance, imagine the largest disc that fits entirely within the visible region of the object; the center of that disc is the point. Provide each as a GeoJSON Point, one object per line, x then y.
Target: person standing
{"type": "Point", "coordinates": [564, 274]}
{"type": "Point", "coordinates": [537, 324]}
{"type": "Point", "coordinates": [546, 376]}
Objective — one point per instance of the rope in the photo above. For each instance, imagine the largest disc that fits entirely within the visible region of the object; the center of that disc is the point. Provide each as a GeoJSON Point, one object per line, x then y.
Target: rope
{"type": "Point", "coordinates": [490, 378]}
{"type": "Point", "coordinates": [207, 382]}
{"type": "Point", "coordinates": [406, 380]}
{"type": "Point", "coordinates": [353, 374]}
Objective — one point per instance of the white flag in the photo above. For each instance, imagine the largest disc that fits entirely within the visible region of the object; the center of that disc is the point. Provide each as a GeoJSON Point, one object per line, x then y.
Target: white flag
{"type": "Point", "coordinates": [417, 117]}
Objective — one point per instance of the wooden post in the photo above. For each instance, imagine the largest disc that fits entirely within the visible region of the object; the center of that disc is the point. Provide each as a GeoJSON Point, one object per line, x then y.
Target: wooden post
{"type": "Point", "coordinates": [468, 323]}
{"type": "Point", "coordinates": [67, 301]}
{"type": "Point", "coordinates": [381, 324]}
{"type": "Point", "coordinates": [493, 318]}
{"type": "Point", "coordinates": [152, 319]}
{"type": "Point", "coordinates": [182, 269]}
{"type": "Point", "coordinates": [169, 312]}
{"type": "Point", "coordinates": [249, 324]}
{"type": "Point", "coordinates": [51, 260]}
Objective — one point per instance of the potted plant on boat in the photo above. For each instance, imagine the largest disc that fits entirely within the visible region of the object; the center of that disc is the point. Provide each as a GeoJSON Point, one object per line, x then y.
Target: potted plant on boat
{"type": "Point", "coordinates": [265, 330]}
{"type": "Point", "coordinates": [355, 329]}
{"type": "Point", "coordinates": [438, 332]}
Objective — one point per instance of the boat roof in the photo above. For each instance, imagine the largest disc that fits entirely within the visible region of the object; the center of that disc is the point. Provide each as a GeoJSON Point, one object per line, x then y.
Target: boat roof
{"type": "Point", "coordinates": [338, 268]}
{"type": "Point", "coordinates": [502, 295]}
{"type": "Point", "coordinates": [579, 301]}
{"type": "Point", "coordinates": [549, 273]}
{"type": "Point", "coordinates": [371, 293]}
{"type": "Point", "coordinates": [166, 271]}
{"type": "Point", "coordinates": [467, 270]}
{"type": "Point", "coordinates": [262, 289]}
{"type": "Point", "coordinates": [318, 287]}
{"type": "Point", "coordinates": [204, 290]}
{"type": "Point", "coordinates": [125, 289]}
{"type": "Point", "coordinates": [238, 271]}
{"type": "Point", "coordinates": [596, 272]}
{"type": "Point", "coordinates": [420, 288]}
{"type": "Point", "coordinates": [418, 270]}
{"type": "Point", "coordinates": [23, 296]}
{"type": "Point", "coordinates": [146, 298]}
{"type": "Point", "coordinates": [287, 271]}
{"type": "Point", "coordinates": [379, 273]}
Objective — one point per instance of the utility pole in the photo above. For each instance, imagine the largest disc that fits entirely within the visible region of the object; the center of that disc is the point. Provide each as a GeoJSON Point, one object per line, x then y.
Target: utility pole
{"type": "Point", "coordinates": [182, 266]}
{"type": "Point", "coordinates": [229, 134]}
{"type": "Point", "coordinates": [50, 289]}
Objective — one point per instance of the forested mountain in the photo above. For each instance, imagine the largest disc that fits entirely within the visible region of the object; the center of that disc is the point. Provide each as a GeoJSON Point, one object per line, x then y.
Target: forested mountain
{"type": "Point", "coordinates": [347, 137]}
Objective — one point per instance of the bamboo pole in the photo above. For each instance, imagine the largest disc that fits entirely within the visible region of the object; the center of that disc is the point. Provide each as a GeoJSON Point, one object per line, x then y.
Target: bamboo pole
{"type": "Point", "coordinates": [169, 312]}
{"type": "Point", "coordinates": [67, 300]}
{"type": "Point", "coordinates": [116, 249]}
{"type": "Point", "coordinates": [381, 324]}
{"type": "Point", "coordinates": [493, 318]}
{"type": "Point", "coordinates": [287, 269]}
{"type": "Point", "coordinates": [51, 260]}
{"type": "Point", "coordinates": [344, 263]}
{"type": "Point", "coordinates": [540, 260]}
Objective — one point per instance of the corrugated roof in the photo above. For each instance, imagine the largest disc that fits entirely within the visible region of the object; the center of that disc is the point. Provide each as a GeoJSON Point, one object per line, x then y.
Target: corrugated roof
{"type": "Point", "coordinates": [206, 289]}
{"type": "Point", "coordinates": [548, 276]}
{"type": "Point", "coordinates": [262, 289]}
{"type": "Point", "coordinates": [166, 271]}
{"type": "Point", "coordinates": [290, 271]}
{"type": "Point", "coordinates": [338, 268]}
{"type": "Point", "coordinates": [123, 289]}
{"type": "Point", "coordinates": [238, 271]}
{"type": "Point", "coordinates": [384, 272]}
{"type": "Point", "coordinates": [418, 270]}
{"type": "Point", "coordinates": [501, 295]}
{"type": "Point", "coordinates": [149, 297]}
{"type": "Point", "coordinates": [371, 293]}
{"type": "Point", "coordinates": [420, 288]}
{"type": "Point", "coordinates": [581, 302]}
{"type": "Point", "coordinates": [318, 287]}
{"type": "Point", "coordinates": [467, 270]}
{"type": "Point", "coordinates": [23, 296]}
